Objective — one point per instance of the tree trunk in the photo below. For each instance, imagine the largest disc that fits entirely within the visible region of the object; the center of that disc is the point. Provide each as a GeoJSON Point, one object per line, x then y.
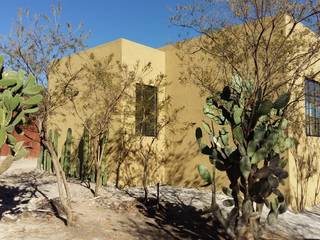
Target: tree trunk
{"type": "Point", "coordinates": [216, 211]}
{"type": "Point", "coordinates": [63, 188]}
{"type": "Point", "coordinates": [98, 179]}
{"type": "Point", "coordinates": [99, 154]}
{"type": "Point", "coordinates": [144, 180]}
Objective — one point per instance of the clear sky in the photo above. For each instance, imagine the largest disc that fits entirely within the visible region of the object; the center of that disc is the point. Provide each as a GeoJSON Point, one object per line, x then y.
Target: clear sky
{"type": "Point", "coordinates": [143, 21]}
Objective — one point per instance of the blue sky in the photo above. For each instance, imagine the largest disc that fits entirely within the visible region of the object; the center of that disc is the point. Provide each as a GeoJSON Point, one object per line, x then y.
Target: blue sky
{"type": "Point", "coordinates": [143, 21]}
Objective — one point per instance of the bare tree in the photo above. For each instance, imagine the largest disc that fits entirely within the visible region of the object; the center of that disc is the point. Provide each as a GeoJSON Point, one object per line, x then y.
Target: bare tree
{"type": "Point", "coordinates": [263, 41]}
{"type": "Point", "coordinates": [108, 88]}
{"type": "Point", "coordinates": [36, 45]}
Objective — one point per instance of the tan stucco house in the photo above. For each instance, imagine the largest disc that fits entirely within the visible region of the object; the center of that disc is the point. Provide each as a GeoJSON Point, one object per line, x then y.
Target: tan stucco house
{"type": "Point", "coordinates": [182, 153]}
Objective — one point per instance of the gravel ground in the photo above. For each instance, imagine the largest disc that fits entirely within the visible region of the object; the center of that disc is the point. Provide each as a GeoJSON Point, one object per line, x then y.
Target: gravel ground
{"type": "Point", "coordinates": [27, 193]}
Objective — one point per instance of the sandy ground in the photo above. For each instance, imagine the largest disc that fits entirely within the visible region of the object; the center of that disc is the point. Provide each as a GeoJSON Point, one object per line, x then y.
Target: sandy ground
{"type": "Point", "coordinates": [26, 212]}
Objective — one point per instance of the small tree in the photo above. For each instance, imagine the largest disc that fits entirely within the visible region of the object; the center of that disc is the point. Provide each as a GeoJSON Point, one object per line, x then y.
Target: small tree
{"type": "Point", "coordinates": [37, 45]}
{"type": "Point", "coordinates": [108, 88]}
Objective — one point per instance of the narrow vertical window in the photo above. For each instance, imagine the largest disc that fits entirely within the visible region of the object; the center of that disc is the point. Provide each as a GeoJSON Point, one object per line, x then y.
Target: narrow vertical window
{"type": "Point", "coordinates": [312, 107]}
{"type": "Point", "coordinates": [146, 110]}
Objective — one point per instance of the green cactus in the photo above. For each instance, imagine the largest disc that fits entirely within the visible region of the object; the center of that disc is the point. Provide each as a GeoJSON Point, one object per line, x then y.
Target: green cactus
{"type": "Point", "coordinates": [40, 159]}
{"type": "Point", "coordinates": [84, 156]}
{"type": "Point", "coordinates": [258, 130]}
{"type": "Point", "coordinates": [48, 157]}
{"type": "Point", "coordinates": [55, 143]}
{"type": "Point", "coordinates": [67, 152]}
{"type": "Point", "coordinates": [19, 97]}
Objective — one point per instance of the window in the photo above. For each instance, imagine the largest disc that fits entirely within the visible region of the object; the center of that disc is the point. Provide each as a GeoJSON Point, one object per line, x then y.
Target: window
{"type": "Point", "coordinates": [312, 107]}
{"type": "Point", "coordinates": [146, 110]}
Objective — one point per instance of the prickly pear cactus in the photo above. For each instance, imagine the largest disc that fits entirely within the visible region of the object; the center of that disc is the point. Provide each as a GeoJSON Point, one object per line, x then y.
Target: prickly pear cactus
{"type": "Point", "coordinates": [247, 138]}
{"type": "Point", "coordinates": [20, 96]}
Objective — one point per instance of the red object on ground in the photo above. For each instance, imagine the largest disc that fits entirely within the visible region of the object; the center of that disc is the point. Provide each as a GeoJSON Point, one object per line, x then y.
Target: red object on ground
{"type": "Point", "coordinates": [31, 140]}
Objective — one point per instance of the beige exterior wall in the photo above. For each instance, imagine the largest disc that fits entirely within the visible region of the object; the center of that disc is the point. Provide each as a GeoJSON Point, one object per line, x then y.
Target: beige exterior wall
{"type": "Point", "coordinates": [304, 160]}
{"type": "Point", "coordinates": [66, 116]}
{"type": "Point", "coordinates": [136, 56]}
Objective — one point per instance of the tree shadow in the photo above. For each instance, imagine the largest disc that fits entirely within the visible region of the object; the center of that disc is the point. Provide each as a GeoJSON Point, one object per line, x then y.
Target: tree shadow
{"type": "Point", "coordinates": [180, 221]}
{"type": "Point", "coordinates": [14, 199]}
{"type": "Point", "coordinates": [11, 199]}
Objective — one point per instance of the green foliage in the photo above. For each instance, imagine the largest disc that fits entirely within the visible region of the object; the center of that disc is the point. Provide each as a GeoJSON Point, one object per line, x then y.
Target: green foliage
{"type": "Point", "coordinates": [254, 164]}
{"type": "Point", "coordinates": [20, 96]}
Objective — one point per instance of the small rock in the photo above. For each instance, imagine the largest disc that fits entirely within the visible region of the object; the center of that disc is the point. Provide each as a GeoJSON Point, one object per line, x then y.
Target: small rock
{"type": "Point", "coordinates": [7, 217]}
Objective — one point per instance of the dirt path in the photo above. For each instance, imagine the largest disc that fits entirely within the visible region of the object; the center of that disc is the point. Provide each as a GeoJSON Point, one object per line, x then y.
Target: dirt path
{"type": "Point", "coordinates": [27, 212]}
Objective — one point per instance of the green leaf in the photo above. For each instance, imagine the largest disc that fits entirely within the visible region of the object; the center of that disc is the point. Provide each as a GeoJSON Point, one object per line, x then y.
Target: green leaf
{"type": "Point", "coordinates": [238, 134]}
{"type": "Point", "coordinates": [13, 103]}
{"type": "Point", "coordinates": [206, 127]}
{"type": "Point", "coordinates": [2, 117]}
{"type": "Point", "coordinates": [224, 137]}
{"type": "Point", "coordinates": [284, 124]}
{"type": "Point", "coordinates": [32, 90]}
{"type": "Point", "coordinates": [282, 101]}
{"type": "Point", "coordinates": [16, 120]}
{"type": "Point", "coordinates": [259, 155]}
{"type": "Point", "coordinates": [237, 113]}
{"type": "Point", "coordinates": [36, 99]}
{"type": "Point", "coordinates": [1, 61]}
{"type": "Point", "coordinates": [204, 173]}
{"type": "Point", "coordinates": [18, 146]}
{"type": "Point", "coordinates": [275, 205]}
{"type": "Point", "coordinates": [289, 142]}
{"type": "Point", "coordinates": [3, 136]}
{"type": "Point", "coordinates": [208, 111]}
{"type": "Point", "coordinates": [12, 139]}
{"type": "Point", "coordinates": [7, 82]}
{"type": "Point", "coordinates": [31, 110]}
{"type": "Point", "coordinates": [21, 153]}
{"type": "Point", "coordinates": [251, 148]}
{"type": "Point", "coordinates": [259, 133]}
{"type": "Point", "coordinates": [198, 136]}
{"type": "Point", "coordinates": [245, 166]}
{"type": "Point", "coordinates": [264, 108]}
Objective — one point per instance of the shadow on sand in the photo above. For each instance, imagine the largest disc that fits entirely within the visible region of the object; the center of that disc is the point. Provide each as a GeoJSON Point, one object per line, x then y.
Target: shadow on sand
{"type": "Point", "coordinates": [177, 220]}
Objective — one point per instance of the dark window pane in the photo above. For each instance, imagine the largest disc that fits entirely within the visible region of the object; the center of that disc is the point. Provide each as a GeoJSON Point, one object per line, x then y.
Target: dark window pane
{"type": "Point", "coordinates": [146, 110]}
{"type": "Point", "coordinates": [312, 107]}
